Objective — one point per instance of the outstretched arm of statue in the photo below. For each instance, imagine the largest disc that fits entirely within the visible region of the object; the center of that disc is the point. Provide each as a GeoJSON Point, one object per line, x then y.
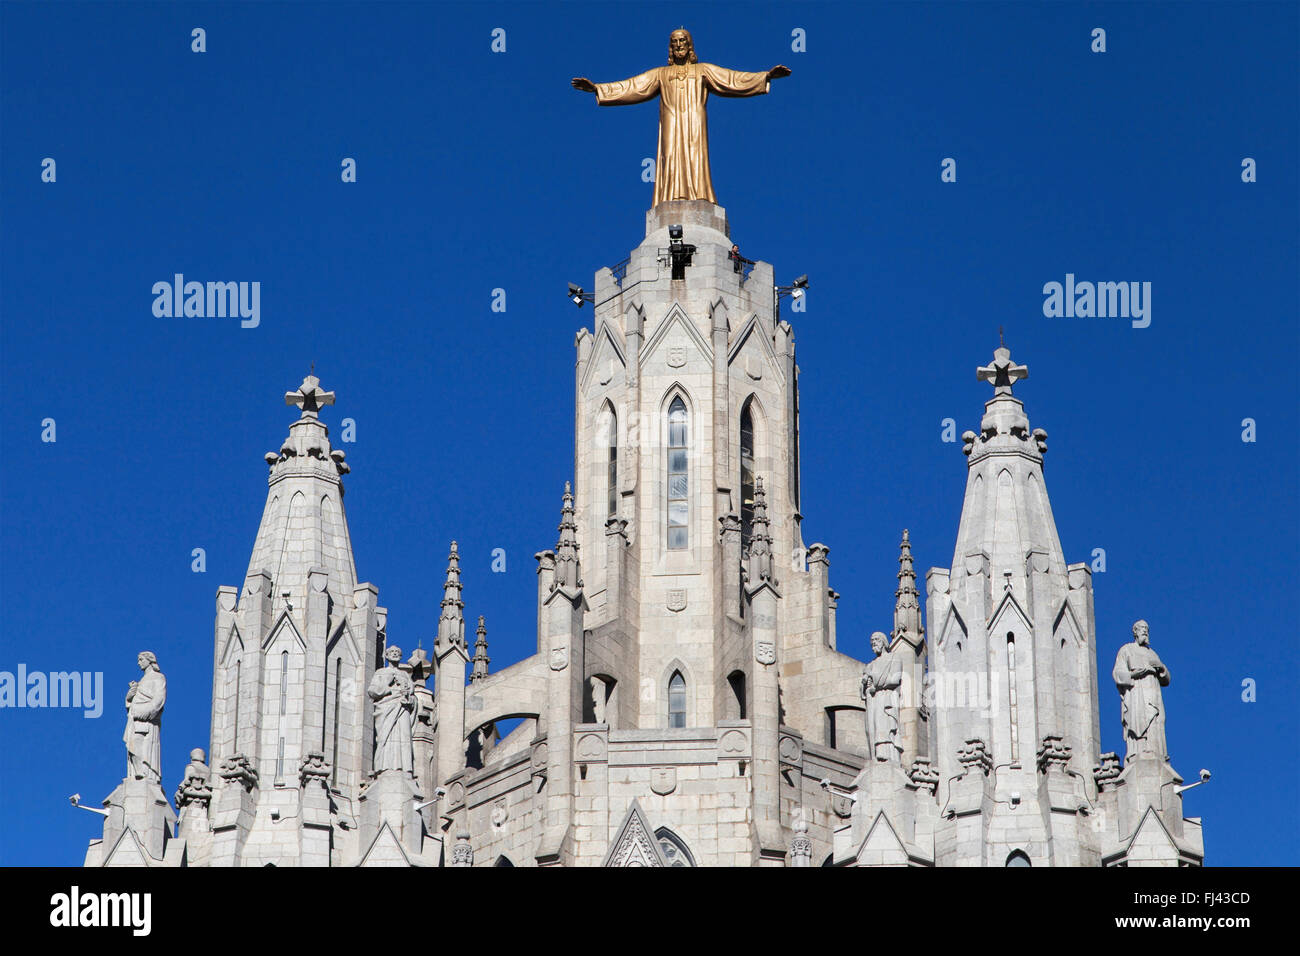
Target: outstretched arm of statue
{"type": "Point", "coordinates": [725, 82]}
{"type": "Point", "coordinates": [777, 72]}
{"type": "Point", "coordinates": [635, 89]}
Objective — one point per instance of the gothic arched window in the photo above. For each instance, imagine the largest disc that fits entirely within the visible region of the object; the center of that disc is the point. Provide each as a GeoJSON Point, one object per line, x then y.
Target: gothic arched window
{"type": "Point", "coordinates": [1018, 858]}
{"type": "Point", "coordinates": [677, 700]}
{"type": "Point", "coordinates": [746, 475]}
{"type": "Point", "coordinates": [678, 477]}
{"type": "Point", "coordinates": [673, 849]}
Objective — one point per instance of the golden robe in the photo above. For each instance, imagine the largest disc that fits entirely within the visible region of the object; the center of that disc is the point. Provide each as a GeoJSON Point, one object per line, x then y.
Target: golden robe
{"type": "Point", "coordinates": [682, 165]}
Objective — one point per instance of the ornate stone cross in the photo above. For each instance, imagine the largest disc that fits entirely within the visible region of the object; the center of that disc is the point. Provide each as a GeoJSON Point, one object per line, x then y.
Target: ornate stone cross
{"type": "Point", "coordinates": [1002, 372]}
{"type": "Point", "coordinates": [309, 396]}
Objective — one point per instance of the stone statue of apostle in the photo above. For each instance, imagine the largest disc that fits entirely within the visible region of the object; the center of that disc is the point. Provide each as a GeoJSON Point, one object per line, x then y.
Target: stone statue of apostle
{"type": "Point", "coordinates": [1139, 675]}
{"type": "Point", "coordinates": [879, 691]}
{"type": "Point", "coordinates": [144, 707]}
{"type": "Point", "coordinates": [394, 695]}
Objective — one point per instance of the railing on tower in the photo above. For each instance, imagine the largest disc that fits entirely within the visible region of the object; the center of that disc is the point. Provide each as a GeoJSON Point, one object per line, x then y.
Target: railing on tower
{"type": "Point", "coordinates": [620, 271]}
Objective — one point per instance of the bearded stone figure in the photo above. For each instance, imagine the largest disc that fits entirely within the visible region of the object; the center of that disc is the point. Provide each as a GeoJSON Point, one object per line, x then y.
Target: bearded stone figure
{"type": "Point", "coordinates": [880, 693]}
{"type": "Point", "coordinates": [1139, 674]}
{"type": "Point", "coordinates": [144, 707]}
{"type": "Point", "coordinates": [394, 695]}
{"type": "Point", "coordinates": [683, 88]}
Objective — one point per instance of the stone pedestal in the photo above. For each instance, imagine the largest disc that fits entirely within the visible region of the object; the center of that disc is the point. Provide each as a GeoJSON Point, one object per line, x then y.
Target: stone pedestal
{"type": "Point", "coordinates": [140, 806]}
{"type": "Point", "coordinates": [883, 786]}
{"type": "Point", "coordinates": [1149, 782]}
{"type": "Point", "coordinates": [687, 213]}
{"type": "Point", "coordinates": [392, 798]}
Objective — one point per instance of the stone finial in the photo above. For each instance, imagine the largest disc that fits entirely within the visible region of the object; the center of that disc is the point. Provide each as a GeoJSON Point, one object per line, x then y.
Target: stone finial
{"type": "Point", "coordinates": [800, 844]}
{"type": "Point", "coordinates": [907, 599]}
{"type": "Point", "coordinates": [306, 451]}
{"type": "Point", "coordinates": [481, 659]}
{"type": "Point", "coordinates": [1002, 372]}
{"type": "Point", "coordinates": [452, 606]}
{"type": "Point", "coordinates": [1004, 427]}
{"type": "Point", "coordinates": [309, 396]}
{"type": "Point", "coordinates": [567, 571]}
{"type": "Point", "coordinates": [418, 666]}
{"type": "Point", "coordinates": [760, 541]}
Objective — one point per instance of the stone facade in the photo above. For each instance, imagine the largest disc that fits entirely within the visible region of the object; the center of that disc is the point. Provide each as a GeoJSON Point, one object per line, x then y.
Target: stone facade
{"type": "Point", "coordinates": [687, 703]}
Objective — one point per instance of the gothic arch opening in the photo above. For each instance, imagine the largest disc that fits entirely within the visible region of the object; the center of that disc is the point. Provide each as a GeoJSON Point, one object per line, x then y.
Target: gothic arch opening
{"type": "Point", "coordinates": [737, 707]}
{"type": "Point", "coordinates": [673, 848]}
{"type": "Point", "coordinates": [599, 701]}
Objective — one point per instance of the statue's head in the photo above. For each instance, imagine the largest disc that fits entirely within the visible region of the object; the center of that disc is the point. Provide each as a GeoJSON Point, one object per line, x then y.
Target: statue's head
{"type": "Point", "coordinates": [146, 659]}
{"type": "Point", "coordinates": [879, 642]}
{"type": "Point", "coordinates": [681, 48]}
{"type": "Point", "coordinates": [393, 654]}
{"type": "Point", "coordinates": [1141, 633]}
{"type": "Point", "coordinates": [196, 755]}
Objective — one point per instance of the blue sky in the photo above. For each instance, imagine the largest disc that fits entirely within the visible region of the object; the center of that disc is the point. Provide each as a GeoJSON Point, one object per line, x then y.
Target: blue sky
{"type": "Point", "coordinates": [479, 171]}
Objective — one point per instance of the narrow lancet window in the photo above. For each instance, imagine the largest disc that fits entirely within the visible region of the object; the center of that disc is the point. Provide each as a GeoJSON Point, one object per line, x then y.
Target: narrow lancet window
{"type": "Point", "coordinates": [611, 422]}
{"type": "Point", "coordinates": [678, 477]}
{"type": "Point", "coordinates": [284, 681]}
{"type": "Point", "coordinates": [677, 700]}
{"type": "Point", "coordinates": [1011, 681]}
{"type": "Point", "coordinates": [746, 476]}
{"type": "Point", "coordinates": [334, 749]}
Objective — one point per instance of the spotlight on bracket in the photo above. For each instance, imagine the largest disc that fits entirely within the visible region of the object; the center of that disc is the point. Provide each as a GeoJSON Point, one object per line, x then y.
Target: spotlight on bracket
{"type": "Point", "coordinates": [679, 252]}
{"type": "Point", "coordinates": [794, 290]}
{"type": "Point", "coordinates": [578, 297]}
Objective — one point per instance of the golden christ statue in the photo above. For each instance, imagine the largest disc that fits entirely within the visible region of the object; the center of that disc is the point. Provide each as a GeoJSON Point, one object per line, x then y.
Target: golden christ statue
{"type": "Point", "coordinates": [683, 87]}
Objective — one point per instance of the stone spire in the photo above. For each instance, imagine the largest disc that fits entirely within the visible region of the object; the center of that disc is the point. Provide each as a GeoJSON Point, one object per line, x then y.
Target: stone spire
{"type": "Point", "coordinates": [760, 542]}
{"type": "Point", "coordinates": [451, 623]}
{"type": "Point", "coordinates": [907, 600]}
{"type": "Point", "coordinates": [567, 570]}
{"type": "Point", "coordinates": [303, 525]}
{"type": "Point", "coordinates": [481, 659]}
{"type": "Point", "coordinates": [1010, 603]}
{"type": "Point", "coordinates": [1006, 514]}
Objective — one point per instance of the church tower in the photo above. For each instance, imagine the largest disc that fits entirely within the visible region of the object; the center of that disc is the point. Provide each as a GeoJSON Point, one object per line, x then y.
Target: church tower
{"type": "Point", "coordinates": [294, 649]}
{"type": "Point", "coordinates": [686, 402]}
{"type": "Point", "coordinates": [1013, 657]}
